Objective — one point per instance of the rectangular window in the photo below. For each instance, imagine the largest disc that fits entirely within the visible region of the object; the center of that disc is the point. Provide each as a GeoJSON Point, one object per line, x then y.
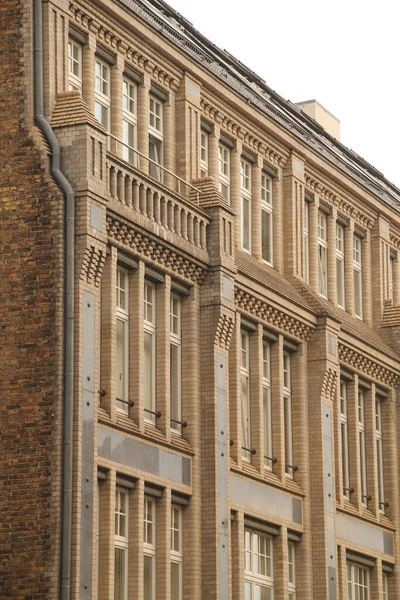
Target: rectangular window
{"type": "Point", "coordinates": [344, 440]}
{"type": "Point", "coordinates": [155, 138]}
{"type": "Point", "coordinates": [322, 254]}
{"type": "Point", "coordinates": [340, 266]}
{"type": "Point", "coordinates": [129, 120]}
{"type": "Point", "coordinates": [175, 363]}
{"type": "Point", "coordinates": [102, 93]}
{"type": "Point", "coordinates": [379, 454]}
{"type": "Point", "coordinates": [266, 218]}
{"type": "Point", "coordinates": [225, 172]}
{"type": "Point", "coordinates": [122, 342]}
{"type": "Point", "coordinates": [357, 582]}
{"type": "Point", "coordinates": [245, 187]}
{"type": "Point", "coordinates": [306, 240]}
{"type": "Point", "coordinates": [203, 154]}
{"type": "Point", "coordinates": [267, 411]}
{"type": "Point", "coordinates": [74, 66]}
{"type": "Point", "coordinates": [259, 577]}
{"type": "Point", "coordinates": [121, 546]}
{"type": "Point", "coordinates": [363, 457]}
{"type": "Point", "coordinates": [245, 393]}
{"type": "Point", "coordinates": [149, 550]}
{"type": "Point", "coordinates": [149, 352]}
{"type": "Point", "coordinates": [385, 586]}
{"type": "Point", "coordinates": [292, 570]}
{"type": "Point", "coordinates": [176, 553]}
{"type": "Point", "coordinates": [357, 271]}
{"type": "Point", "coordinates": [392, 262]}
{"type": "Point", "coordinates": [287, 409]}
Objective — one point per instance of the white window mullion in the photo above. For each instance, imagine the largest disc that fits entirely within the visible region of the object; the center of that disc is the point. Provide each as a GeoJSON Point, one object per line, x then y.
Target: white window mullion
{"type": "Point", "coordinates": [156, 137]}
{"type": "Point", "coordinates": [149, 352]}
{"type": "Point", "coordinates": [259, 576]}
{"type": "Point", "coordinates": [267, 409]}
{"type": "Point", "coordinates": [74, 66]}
{"type": "Point", "coordinates": [175, 363]}
{"type": "Point", "coordinates": [287, 409]}
{"type": "Point", "coordinates": [203, 154]}
{"type": "Point", "coordinates": [344, 440]}
{"type": "Point", "coordinates": [292, 570]}
{"type": "Point", "coordinates": [224, 171]}
{"type": "Point", "coordinates": [363, 458]}
{"type": "Point", "coordinates": [245, 186]}
{"type": "Point", "coordinates": [122, 341]}
{"type": "Point", "coordinates": [102, 93]}
{"type": "Point", "coordinates": [245, 395]}
{"type": "Point", "coordinates": [379, 454]}
{"type": "Point", "coordinates": [129, 120]}
{"type": "Point", "coordinates": [322, 254]}
{"type": "Point", "coordinates": [266, 219]}
{"type": "Point", "coordinates": [176, 553]}
{"type": "Point", "coordinates": [149, 550]}
{"type": "Point", "coordinates": [121, 545]}
{"type": "Point", "coordinates": [357, 273]}
{"type": "Point", "coordinates": [340, 280]}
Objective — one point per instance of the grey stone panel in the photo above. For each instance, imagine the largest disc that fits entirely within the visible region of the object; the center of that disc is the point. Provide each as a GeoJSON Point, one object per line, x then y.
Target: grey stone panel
{"type": "Point", "coordinates": [364, 535]}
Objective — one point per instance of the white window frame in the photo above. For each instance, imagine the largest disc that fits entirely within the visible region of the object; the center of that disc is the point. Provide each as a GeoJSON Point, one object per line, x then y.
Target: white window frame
{"type": "Point", "coordinates": [287, 410]}
{"type": "Point", "coordinates": [358, 587]}
{"type": "Point", "coordinates": [156, 137]}
{"type": "Point", "coordinates": [122, 316]}
{"type": "Point", "coordinates": [306, 239]}
{"type": "Point", "coordinates": [379, 454]}
{"type": "Point", "coordinates": [121, 539]}
{"type": "Point", "coordinates": [267, 233]}
{"type": "Point", "coordinates": [344, 436]}
{"type": "Point", "coordinates": [204, 139]}
{"type": "Point", "coordinates": [267, 408]}
{"type": "Point", "coordinates": [224, 169]}
{"type": "Point", "coordinates": [176, 342]}
{"type": "Point", "coordinates": [149, 545]}
{"type": "Point", "coordinates": [74, 59]}
{"type": "Point", "coordinates": [150, 329]}
{"type": "Point", "coordinates": [362, 444]}
{"type": "Point", "coordinates": [357, 276]}
{"type": "Point", "coordinates": [253, 557]}
{"type": "Point", "coordinates": [292, 570]}
{"type": "Point", "coordinates": [322, 254]}
{"type": "Point", "coordinates": [245, 393]}
{"type": "Point", "coordinates": [102, 91]}
{"type": "Point", "coordinates": [129, 119]}
{"type": "Point", "coordinates": [385, 586]}
{"type": "Point", "coordinates": [340, 272]}
{"type": "Point", "coordinates": [176, 552]}
{"type": "Point", "coordinates": [246, 204]}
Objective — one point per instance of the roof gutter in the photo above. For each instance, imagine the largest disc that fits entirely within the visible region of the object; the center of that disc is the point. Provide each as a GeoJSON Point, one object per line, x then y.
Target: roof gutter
{"type": "Point", "coordinates": [65, 186]}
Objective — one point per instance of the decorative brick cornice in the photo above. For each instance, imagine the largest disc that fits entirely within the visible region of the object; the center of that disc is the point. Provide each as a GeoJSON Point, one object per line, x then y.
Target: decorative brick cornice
{"type": "Point", "coordinates": [270, 314]}
{"type": "Point", "coordinates": [367, 366]}
{"type": "Point", "coordinates": [223, 334]}
{"type": "Point", "coordinates": [92, 265]}
{"type": "Point", "coordinates": [395, 241]}
{"type": "Point", "coordinates": [111, 39]}
{"type": "Point", "coordinates": [143, 246]}
{"type": "Point", "coordinates": [342, 204]}
{"type": "Point", "coordinates": [329, 384]}
{"type": "Point", "coordinates": [271, 154]}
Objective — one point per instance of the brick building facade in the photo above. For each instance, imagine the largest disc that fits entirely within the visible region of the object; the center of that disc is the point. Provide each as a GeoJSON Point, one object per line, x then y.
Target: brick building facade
{"type": "Point", "coordinates": [235, 326]}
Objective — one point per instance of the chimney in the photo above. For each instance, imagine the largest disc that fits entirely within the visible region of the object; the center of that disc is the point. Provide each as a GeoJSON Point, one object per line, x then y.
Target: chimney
{"type": "Point", "coordinates": [316, 111]}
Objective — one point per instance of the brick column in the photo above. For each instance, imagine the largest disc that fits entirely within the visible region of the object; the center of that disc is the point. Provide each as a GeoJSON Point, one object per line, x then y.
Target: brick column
{"type": "Point", "coordinates": [375, 579]}
{"type": "Point", "coordinates": [277, 200]}
{"type": "Point", "coordinates": [163, 562]}
{"type": "Point", "coordinates": [116, 103]}
{"type": "Point", "coordinates": [163, 356]}
{"type": "Point", "coordinates": [235, 408]}
{"type": "Point", "coordinates": [88, 71]}
{"type": "Point", "coordinates": [281, 566]}
{"type": "Point", "coordinates": [348, 263]}
{"type": "Point", "coordinates": [143, 121]}
{"type": "Point", "coordinates": [332, 292]}
{"type": "Point", "coordinates": [108, 334]}
{"type": "Point", "coordinates": [256, 208]}
{"type": "Point", "coordinates": [235, 189]}
{"type": "Point", "coordinates": [313, 235]}
{"type": "Point", "coordinates": [213, 154]}
{"type": "Point", "coordinates": [135, 556]}
{"type": "Point", "coordinates": [367, 278]}
{"type": "Point", "coordinates": [278, 423]}
{"type": "Point", "coordinates": [136, 344]}
{"type": "Point", "coordinates": [354, 443]}
{"type": "Point", "coordinates": [169, 143]}
{"type": "Point", "coordinates": [106, 537]}
{"type": "Point", "coordinates": [256, 399]}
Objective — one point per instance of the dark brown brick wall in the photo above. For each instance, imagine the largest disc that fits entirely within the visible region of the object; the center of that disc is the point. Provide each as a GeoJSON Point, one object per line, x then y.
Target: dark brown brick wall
{"type": "Point", "coordinates": [28, 335]}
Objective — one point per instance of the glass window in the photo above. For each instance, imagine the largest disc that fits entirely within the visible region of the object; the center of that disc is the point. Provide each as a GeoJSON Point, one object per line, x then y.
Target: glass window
{"type": "Point", "coordinates": [175, 363]}
{"type": "Point", "coordinates": [245, 184]}
{"type": "Point", "coordinates": [74, 66]}
{"type": "Point", "coordinates": [322, 254]}
{"type": "Point", "coordinates": [129, 120]}
{"type": "Point", "coordinates": [357, 272]}
{"type": "Point", "coordinates": [306, 241]}
{"type": "Point", "coordinates": [344, 440]}
{"type": "Point", "coordinates": [102, 93]}
{"type": "Point", "coordinates": [357, 582]}
{"type": "Point", "coordinates": [176, 553]}
{"type": "Point", "coordinates": [122, 341]}
{"type": "Point", "coordinates": [340, 295]}
{"type": "Point", "coordinates": [245, 395]}
{"type": "Point", "coordinates": [266, 218]}
{"type": "Point", "coordinates": [287, 408]}
{"type": "Point", "coordinates": [155, 115]}
{"type": "Point", "coordinates": [149, 352]}
{"type": "Point", "coordinates": [379, 454]}
{"type": "Point", "coordinates": [385, 586]}
{"type": "Point", "coordinates": [267, 411]}
{"type": "Point", "coordinates": [121, 546]}
{"type": "Point", "coordinates": [224, 171]}
{"type": "Point", "coordinates": [149, 550]}
{"type": "Point", "coordinates": [292, 571]}
{"type": "Point", "coordinates": [203, 154]}
{"type": "Point", "coordinates": [156, 138]}
{"type": "Point", "coordinates": [259, 579]}
{"type": "Point", "coordinates": [363, 457]}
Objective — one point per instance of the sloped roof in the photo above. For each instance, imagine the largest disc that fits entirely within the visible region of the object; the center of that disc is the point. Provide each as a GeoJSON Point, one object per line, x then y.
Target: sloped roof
{"type": "Point", "coordinates": [71, 109]}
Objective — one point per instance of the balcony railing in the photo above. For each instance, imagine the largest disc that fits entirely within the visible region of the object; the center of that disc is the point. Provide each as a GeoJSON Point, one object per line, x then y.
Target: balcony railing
{"type": "Point", "coordinates": [148, 196]}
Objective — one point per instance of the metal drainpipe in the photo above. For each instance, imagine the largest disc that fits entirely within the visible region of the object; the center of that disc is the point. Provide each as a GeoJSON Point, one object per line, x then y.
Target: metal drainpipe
{"type": "Point", "coordinates": [66, 533]}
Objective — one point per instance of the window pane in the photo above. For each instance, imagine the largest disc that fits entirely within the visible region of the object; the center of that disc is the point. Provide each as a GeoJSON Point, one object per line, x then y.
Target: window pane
{"type": "Point", "coordinates": [247, 591]}
{"type": "Point", "coordinates": [148, 371]}
{"type": "Point", "coordinates": [262, 593]}
{"type": "Point", "coordinates": [246, 223]}
{"type": "Point", "coordinates": [148, 578]}
{"type": "Point", "coordinates": [245, 415]}
{"type": "Point", "coordinates": [357, 292]}
{"type": "Point", "coordinates": [128, 137]}
{"type": "Point", "coordinates": [120, 574]}
{"type": "Point", "coordinates": [267, 426]}
{"type": "Point", "coordinates": [175, 385]}
{"type": "Point", "coordinates": [121, 363]}
{"type": "Point", "coordinates": [266, 235]}
{"type": "Point", "coordinates": [175, 581]}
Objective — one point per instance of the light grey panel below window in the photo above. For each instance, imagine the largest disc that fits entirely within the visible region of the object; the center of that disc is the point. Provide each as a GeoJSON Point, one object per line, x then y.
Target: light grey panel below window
{"type": "Point", "coordinates": [96, 217]}
{"type": "Point", "coordinates": [364, 535]}
{"type": "Point", "coordinates": [139, 455]}
{"type": "Point", "coordinates": [266, 500]}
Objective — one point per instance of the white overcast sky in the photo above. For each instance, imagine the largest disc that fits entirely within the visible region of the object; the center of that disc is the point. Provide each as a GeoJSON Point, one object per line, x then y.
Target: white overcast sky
{"type": "Point", "coordinates": [343, 53]}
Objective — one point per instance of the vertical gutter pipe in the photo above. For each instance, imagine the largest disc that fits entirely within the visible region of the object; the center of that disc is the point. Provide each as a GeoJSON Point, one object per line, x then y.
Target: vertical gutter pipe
{"type": "Point", "coordinates": [44, 125]}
